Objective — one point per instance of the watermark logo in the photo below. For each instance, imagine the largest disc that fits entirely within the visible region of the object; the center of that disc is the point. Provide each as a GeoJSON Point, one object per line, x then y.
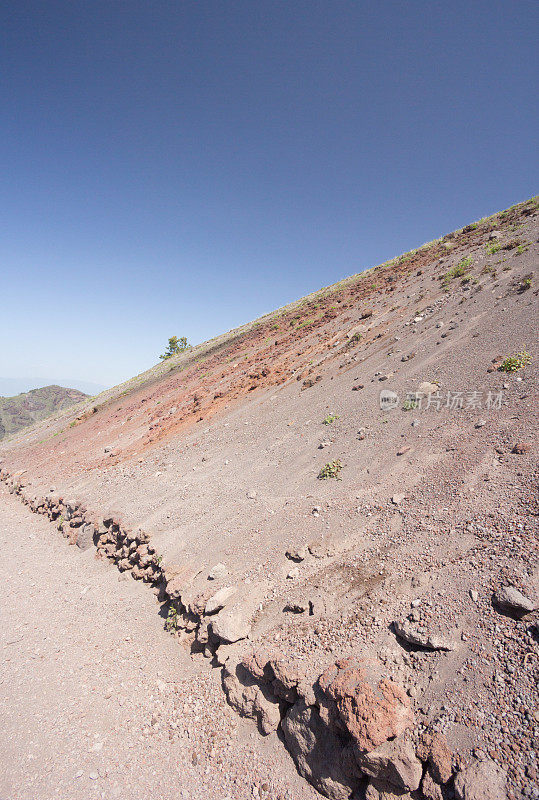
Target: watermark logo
{"type": "Point", "coordinates": [436, 401]}
{"type": "Point", "coordinates": [388, 400]}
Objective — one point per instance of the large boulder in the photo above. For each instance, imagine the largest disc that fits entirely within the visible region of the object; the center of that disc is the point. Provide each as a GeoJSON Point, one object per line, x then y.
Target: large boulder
{"type": "Point", "coordinates": [249, 698]}
{"type": "Point", "coordinates": [394, 762]}
{"type": "Point", "coordinates": [369, 709]}
{"type": "Point", "coordinates": [318, 752]}
{"type": "Point", "coordinates": [288, 675]}
{"type": "Point", "coordinates": [509, 598]}
{"type": "Point", "coordinates": [430, 789]}
{"type": "Point", "coordinates": [220, 599]}
{"type": "Point", "coordinates": [481, 780]}
{"type": "Point", "coordinates": [178, 578]}
{"type": "Point", "coordinates": [257, 663]}
{"type": "Point", "coordinates": [440, 758]}
{"type": "Point", "coordinates": [421, 636]}
{"type": "Point", "coordinates": [232, 624]}
{"type": "Point", "coordinates": [380, 790]}
{"type": "Point", "coordinates": [85, 536]}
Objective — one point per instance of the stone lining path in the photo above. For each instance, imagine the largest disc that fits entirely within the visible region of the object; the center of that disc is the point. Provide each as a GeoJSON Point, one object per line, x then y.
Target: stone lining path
{"type": "Point", "coordinates": [97, 701]}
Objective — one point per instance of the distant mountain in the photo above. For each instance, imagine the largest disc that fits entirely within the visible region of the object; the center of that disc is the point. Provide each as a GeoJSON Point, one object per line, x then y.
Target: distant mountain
{"type": "Point", "coordinates": [24, 409]}
{"type": "Point", "coordinates": [12, 386]}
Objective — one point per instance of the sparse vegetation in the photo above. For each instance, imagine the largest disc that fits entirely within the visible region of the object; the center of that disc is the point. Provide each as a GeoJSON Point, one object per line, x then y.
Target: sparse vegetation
{"type": "Point", "coordinates": [171, 622]}
{"type": "Point", "coordinates": [307, 322]}
{"type": "Point", "coordinates": [330, 418]}
{"type": "Point", "coordinates": [516, 362]}
{"type": "Point", "coordinates": [352, 341]}
{"type": "Point", "coordinates": [493, 248]}
{"type": "Point", "coordinates": [330, 470]}
{"type": "Point", "coordinates": [458, 271]}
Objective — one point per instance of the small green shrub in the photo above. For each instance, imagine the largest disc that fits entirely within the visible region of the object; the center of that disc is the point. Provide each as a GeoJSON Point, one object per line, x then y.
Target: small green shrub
{"type": "Point", "coordinates": [330, 470]}
{"type": "Point", "coordinates": [493, 248]}
{"type": "Point", "coordinates": [458, 271]}
{"type": "Point", "coordinates": [330, 418]}
{"type": "Point", "coordinates": [172, 621]}
{"type": "Point", "coordinates": [516, 362]}
{"type": "Point", "coordinates": [488, 269]}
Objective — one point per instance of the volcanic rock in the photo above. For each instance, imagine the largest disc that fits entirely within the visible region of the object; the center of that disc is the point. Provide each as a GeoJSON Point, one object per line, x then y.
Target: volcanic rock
{"type": "Point", "coordinates": [481, 780]}
{"type": "Point", "coordinates": [509, 598]}
{"type": "Point", "coordinates": [318, 752]}
{"type": "Point", "coordinates": [370, 711]}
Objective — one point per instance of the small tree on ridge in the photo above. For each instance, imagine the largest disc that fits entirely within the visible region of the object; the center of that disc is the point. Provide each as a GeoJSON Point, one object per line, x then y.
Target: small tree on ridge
{"type": "Point", "coordinates": [175, 346]}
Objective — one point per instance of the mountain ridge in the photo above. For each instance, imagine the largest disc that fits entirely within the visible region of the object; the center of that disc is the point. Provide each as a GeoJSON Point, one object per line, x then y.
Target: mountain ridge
{"type": "Point", "coordinates": [24, 409]}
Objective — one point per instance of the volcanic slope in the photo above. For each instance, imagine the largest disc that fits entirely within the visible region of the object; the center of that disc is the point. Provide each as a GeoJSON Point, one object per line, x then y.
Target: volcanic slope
{"type": "Point", "coordinates": [262, 464]}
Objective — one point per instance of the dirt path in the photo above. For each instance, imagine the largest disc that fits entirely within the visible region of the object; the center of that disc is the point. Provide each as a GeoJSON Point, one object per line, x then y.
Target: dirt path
{"type": "Point", "coordinates": [97, 701]}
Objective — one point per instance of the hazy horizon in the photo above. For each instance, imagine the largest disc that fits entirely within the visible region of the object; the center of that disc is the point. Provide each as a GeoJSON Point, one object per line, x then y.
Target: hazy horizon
{"type": "Point", "coordinates": [9, 387]}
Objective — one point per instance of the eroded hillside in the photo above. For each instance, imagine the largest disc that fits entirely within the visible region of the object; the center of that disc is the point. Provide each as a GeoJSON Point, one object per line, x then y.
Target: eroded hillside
{"type": "Point", "coordinates": [362, 570]}
{"type": "Point", "coordinates": [29, 407]}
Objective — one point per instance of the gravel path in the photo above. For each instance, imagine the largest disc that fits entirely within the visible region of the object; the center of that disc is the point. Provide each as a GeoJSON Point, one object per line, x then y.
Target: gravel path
{"type": "Point", "coordinates": [97, 701]}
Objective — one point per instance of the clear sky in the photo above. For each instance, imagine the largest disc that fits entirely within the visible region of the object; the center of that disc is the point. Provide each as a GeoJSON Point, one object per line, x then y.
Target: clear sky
{"type": "Point", "coordinates": [182, 167]}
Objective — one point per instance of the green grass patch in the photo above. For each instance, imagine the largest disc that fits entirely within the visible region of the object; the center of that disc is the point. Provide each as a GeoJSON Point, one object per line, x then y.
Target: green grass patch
{"type": "Point", "coordinates": [172, 620]}
{"type": "Point", "coordinates": [458, 271]}
{"type": "Point", "coordinates": [330, 418]}
{"type": "Point", "coordinates": [516, 362]}
{"type": "Point", "coordinates": [330, 470]}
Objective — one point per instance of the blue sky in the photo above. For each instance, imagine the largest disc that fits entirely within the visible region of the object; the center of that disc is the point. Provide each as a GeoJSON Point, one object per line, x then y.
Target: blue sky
{"type": "Point", "coordinates": [183, 167]}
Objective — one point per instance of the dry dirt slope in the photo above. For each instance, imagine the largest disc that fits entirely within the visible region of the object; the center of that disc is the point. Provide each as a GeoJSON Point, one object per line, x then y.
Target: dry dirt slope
{"type": "Point", "coordinates": [274, 574]}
